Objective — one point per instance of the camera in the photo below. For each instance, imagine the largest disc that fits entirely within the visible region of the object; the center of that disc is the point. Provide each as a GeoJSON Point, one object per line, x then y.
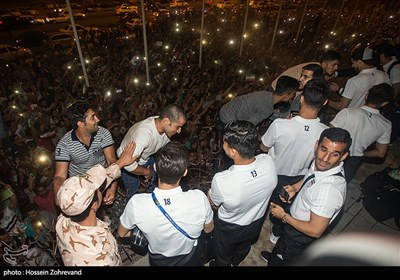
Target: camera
{"type": "Point", "coordinates": [284, 194]}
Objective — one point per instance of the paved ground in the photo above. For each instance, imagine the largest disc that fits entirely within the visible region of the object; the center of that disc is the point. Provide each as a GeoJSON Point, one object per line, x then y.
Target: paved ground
{"type": "Point", "coordinates": [355, 218]}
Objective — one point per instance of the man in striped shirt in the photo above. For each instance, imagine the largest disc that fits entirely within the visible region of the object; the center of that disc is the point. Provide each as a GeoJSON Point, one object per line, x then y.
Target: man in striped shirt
{"type": "Point", "coordinates": [86, 145]}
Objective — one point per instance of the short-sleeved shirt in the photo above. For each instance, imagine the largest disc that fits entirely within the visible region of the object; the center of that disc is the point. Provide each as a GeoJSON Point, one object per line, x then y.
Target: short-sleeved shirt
{"type": "Point", "coordinates": [86, 245]}
{"type": "Point", "coordinates": [291, 143]}
{"type": "Point", "coordinates": [323, 195]}
{"type": "Point", "coordinates": [394, 73]}
{"type": "Point", "coordinates": [365, 125]}
{"type": "Point", "coordinates": [243, 191]}
{"type": "Point", "coordinates": [253, 107]}
{"type": "Point", "coordinates": [148, 141]}
{"type": "Point", "coordinates": [80, 156]}
{"type": "Point", "coordinates": [357, 87]}
{"type": "Point", "coordinates": [191, 210]}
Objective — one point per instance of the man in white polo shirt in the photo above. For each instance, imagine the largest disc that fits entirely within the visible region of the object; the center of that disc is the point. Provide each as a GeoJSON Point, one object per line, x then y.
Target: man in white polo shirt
{"type": "Point", "coordinates": [366, 125]}
{"type": "Point", "coordinates": [356, 88]}
{"type": "Point", "coordinates": [290, 142]}
{"type": "Point", "coordinates": [190, 210]}
{"type": "Point", "coordinates": [241, 194]}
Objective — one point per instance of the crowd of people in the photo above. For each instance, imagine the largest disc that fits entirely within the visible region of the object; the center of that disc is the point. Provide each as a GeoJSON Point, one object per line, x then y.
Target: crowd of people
{"type": "Point", "coordinates": [58, 136]}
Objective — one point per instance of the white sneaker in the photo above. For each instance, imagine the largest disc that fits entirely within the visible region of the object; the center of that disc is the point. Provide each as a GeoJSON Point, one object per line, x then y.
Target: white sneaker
{"type": "Point", "coordinates": [273, 239]}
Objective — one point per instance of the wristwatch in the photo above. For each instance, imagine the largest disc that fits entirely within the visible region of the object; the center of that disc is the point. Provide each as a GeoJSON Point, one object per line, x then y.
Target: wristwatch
{"type": "Point", "coordinates": [283, 218]}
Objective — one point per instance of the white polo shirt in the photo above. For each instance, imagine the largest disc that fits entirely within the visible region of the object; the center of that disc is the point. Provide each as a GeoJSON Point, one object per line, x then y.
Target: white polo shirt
{"type": "Point", "coordinates": [357, 87]}
{"type": "Point", "coordinates": [365, 125]}
{"type": "Point", "coordinates": [191, 210]}
{"type": "Point", "coordinates": [148, 141]}
{"type": "Point", "coordinates": [324, 195]}
{"type": "Point", "coordinates": [243, 191]}
{"type": "Point", "coordinates": [291, 143]}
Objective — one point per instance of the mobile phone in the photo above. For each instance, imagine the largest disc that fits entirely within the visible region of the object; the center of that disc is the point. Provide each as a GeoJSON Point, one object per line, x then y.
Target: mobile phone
{"type": "Point", "coordinates": [284, 194]}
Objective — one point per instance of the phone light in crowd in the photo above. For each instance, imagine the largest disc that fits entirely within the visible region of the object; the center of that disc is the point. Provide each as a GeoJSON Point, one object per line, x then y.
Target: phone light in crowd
{"type": "Point", "coordinates": [217, 29]}
{"type": "Point", "coordinates": [256, 25]}
{"type": "Point", "coordinates": [175, 79]}
{"type": "Point", "coordinates": [80, 77]}
{"type": "Point", "coordinates": [204, 42]}
{"type": "Point", "coordinates": [280, 31]}
{"type": "Point", "coordinates": [87, 61]}
{"type": "Point", "coordinates": [108, 93]}
{"type": "Point", "coordinates": [261, 79]}
{"type": "Point", "coordinates": [216, 61]}
{"type": "Point", "coordinates": [16, 91]}
{"type": "Point", "coordinates": [353, 35]}
{"type": "Point", "coordinates": [39, 224]}
{"type": "Point", "coordinates": [231, 42]}
{"type": "Point", "coordinates": [136, 80]}
{"type": "Point", "coordinates": [240, 71]}
{"type": "Point", "coordinates": [43, 158]}
{"type": "Point", "coordinates": [21, 114]}
{"type": "Point", "coordinates": [230, 95]}
{"type": "Point", "coordinates": [147, 84]}
{"type": "Point", "coordinates": [166, 47]}
{"type": "Point", "coordinates": [177, 30]}
{"type": "Point", "coordinates": [327, 46]}
{"type": "Point", "coordinates": [69, 67]}
{"type": "Point", "coordinates": [245, 35]}
{"type": "Point", "coordinates": [158, 64]}
{"type": "Point", "coordinates": [14, 107]}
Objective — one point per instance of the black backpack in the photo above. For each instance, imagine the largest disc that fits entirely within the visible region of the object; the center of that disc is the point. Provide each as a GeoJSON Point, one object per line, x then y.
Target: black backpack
{"type": "Point", "coordinates": [381, 196]}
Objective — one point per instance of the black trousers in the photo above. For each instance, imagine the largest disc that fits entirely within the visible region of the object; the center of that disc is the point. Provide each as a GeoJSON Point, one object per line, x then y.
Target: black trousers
{"type": "Point", "coordinates": [351, 165]}
{"type": "Point", "coordinates": [289, 246]}
{"type": "Point", "coordinates": [232, 243]}
{"type": "Point", "coordinates": [194, 258]}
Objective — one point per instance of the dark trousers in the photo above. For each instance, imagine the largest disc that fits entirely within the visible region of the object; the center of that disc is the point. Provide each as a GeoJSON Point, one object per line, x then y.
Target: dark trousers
{"type": "Point", "coordinates": [290, 245]}
{"type": "Point", "coordinates": [232, 243]}
{"type": "Point", "coordinates": [277, 227]}
{"type": "Point", "coordinates": [131, 181]}
{"type": "Point", "coordinates": [194, 258]}
{"type": "Point", "coordinates": [351, 165]}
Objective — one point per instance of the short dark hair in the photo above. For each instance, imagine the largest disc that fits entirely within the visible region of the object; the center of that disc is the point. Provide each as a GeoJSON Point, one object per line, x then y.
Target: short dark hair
{"type": "Point", "coordinates": [379, 94]}
{"type": "Point", "coordinates": [330, 56]}
{"type": "Point", "coordinates": [171, 162]}
{"type": "Point", "coordinates": [173, 112]}
{"type": "Point", "coordinates": [337, 135]}
{"type": "Point", "coordinates": [318, 71]}
{"type": "Point", "coordinates": [77, 112]}
{"type": "Point", "coordinates": [385, 48]}
{"type": "Point", "coordinates": [286, 83]}
{"type": "Point", "coordinates": [242, 136]}
{"type": "Point", "coordinates": [315, 93]}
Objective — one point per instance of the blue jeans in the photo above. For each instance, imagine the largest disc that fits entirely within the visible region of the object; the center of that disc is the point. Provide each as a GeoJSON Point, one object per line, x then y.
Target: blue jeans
{"type": "Point", "coordinates": [131, 181]}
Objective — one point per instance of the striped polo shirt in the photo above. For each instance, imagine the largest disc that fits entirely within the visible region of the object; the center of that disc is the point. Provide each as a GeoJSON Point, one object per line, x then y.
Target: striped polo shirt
{"type": "Point", "coordinates": [82, 157]}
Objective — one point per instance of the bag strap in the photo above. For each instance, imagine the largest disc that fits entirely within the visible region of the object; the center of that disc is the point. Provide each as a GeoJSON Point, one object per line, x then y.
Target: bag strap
{"type": "Point", "coordinates": [391, 66]}
{"type": "Point", "coordinates": [169, 217]}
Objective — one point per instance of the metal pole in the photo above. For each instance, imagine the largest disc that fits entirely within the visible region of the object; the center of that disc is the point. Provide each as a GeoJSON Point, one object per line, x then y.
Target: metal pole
{"type": "Point", "coordinates": [276, 26]}
{"type": "Point", "coordinates": [301, 22]}
{"type": "Point", "coordinates": [145, 44]}
{"type": "Point", "coordinates": [244, 28]}
{"type": "Point", "coordinates": [354, 11]}
{"type": "Point", "coordinates": [340, 12]}
{"type": "Point", "coordinates": [78, 45]}
{"type": "Point", "coordinates": [201, 34]}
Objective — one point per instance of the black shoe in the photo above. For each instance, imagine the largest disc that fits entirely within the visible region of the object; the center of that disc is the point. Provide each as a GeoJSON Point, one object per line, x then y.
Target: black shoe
{"type": "Point", "coordinates": [265, 255]}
